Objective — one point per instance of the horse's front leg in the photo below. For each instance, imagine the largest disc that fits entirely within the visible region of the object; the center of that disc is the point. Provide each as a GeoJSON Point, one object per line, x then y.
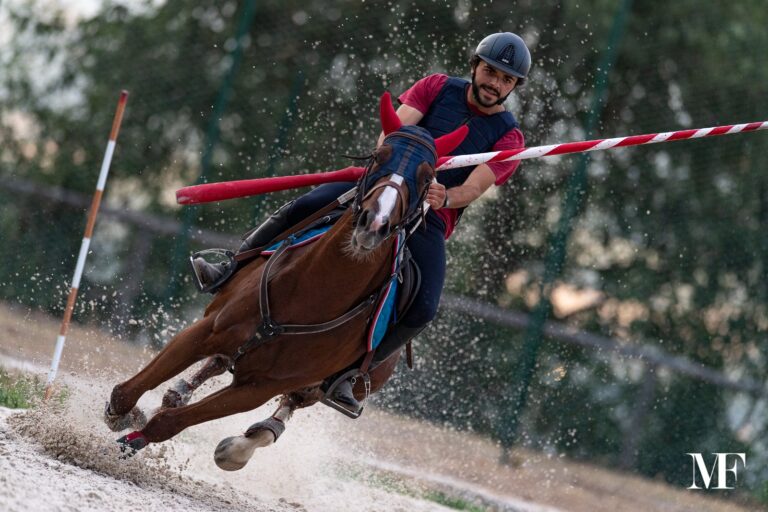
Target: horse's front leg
{"type": "Point", "coordinates": [182, 390]}
{"type": "Point", "coordinates": [185, 349]}
{"type": "Point", "coordinates": [233, 399]}
{"type": "Point", "coordinates": [233, 453]}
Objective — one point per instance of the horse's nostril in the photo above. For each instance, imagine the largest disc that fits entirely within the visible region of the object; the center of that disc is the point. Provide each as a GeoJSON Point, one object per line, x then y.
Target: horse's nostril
{"type": "Point", "coordinates": [362, 221]}
{"type": "Point", "coordinates": [384, 230]}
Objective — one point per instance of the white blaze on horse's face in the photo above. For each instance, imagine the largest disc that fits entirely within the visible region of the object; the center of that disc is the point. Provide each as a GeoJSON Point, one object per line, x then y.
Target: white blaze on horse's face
{"type": "Point", "coordinates": [386, 203]}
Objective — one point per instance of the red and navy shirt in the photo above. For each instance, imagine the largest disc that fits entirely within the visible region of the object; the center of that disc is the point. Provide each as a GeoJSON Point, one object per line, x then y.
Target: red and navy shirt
{"type": "Point", "coordinates": [421, 96]}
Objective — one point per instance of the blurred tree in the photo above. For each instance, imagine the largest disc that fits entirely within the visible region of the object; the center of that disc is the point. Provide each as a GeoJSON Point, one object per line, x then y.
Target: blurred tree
{"type": "Point", "coordinates": [671, 235]}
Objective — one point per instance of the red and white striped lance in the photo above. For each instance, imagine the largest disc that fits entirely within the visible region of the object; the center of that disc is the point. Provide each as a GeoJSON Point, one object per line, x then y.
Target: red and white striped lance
{"type": "Point", "coordinates": [594, 145]}
{"type": "Point", "coordinates": [84, 246]}
{"type": "Point", "coordinates": [208, 192]}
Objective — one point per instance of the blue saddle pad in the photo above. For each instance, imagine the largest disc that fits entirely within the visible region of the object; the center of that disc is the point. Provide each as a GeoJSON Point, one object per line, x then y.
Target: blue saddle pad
{"type": "Point", "coordinates": [305, 238]}
{"type": "Point", "coordinates": [385, 309]}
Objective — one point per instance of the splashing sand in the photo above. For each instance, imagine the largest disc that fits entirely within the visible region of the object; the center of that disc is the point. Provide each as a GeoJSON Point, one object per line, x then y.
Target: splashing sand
{"type": "Point", "coordinates": [61, 457]}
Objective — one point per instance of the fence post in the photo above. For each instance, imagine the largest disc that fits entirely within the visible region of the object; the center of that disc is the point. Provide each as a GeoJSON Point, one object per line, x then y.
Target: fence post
{"type": "Point", "coordinates": [576, 192]}
{"type": "Point", "coordinates": [286, 123]}
{"type": "Point", "coordinates": [181, 248]}
{"type": "Point", "coordinates": [633, 432]}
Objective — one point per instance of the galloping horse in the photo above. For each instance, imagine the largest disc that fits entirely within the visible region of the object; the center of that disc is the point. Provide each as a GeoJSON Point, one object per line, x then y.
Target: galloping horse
{"type": "Point", "coordinates": [284, 326]}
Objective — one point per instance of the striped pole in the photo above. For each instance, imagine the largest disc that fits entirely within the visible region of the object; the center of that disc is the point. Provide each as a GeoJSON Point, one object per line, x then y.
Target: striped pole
{"type": "Point", "coordinates": [86, 242]}
{"type": "Point", "coordinates": [451, 162]}
{"type": "Point", "coordinates": [208, 192]}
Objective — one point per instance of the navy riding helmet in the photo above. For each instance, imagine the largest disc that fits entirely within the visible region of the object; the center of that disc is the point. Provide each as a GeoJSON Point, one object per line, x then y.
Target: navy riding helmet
{"type": "Point", "coordinates": [507, 52]}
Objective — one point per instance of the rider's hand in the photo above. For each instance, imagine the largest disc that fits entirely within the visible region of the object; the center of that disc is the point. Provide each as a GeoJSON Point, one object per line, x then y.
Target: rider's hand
{"type": "Point", "coordinates": [436, 195]}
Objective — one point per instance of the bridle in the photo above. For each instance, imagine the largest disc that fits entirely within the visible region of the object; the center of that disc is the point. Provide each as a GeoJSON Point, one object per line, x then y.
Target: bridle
{"type": "Point", "coordinates": [415, 146]}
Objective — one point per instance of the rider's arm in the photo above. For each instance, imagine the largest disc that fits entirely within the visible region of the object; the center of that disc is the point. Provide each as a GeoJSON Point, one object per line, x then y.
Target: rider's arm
{"type": "Point", "coordinates": [482, 177]}
{"type": "Point", "coordinates": [477, 183]}
{"type": "Point", "coordinates": [407, 115]}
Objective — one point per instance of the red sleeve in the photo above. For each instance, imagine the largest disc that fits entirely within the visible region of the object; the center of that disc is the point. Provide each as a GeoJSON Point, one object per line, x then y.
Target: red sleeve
{"type": "Point", "coordinates": [513, 139]}
{"type": "Point", "coordinates": [421, 94]}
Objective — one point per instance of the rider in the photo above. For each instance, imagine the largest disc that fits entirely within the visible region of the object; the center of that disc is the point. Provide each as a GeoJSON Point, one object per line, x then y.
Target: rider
{"type": "Point", "coordinates": [440, 104]}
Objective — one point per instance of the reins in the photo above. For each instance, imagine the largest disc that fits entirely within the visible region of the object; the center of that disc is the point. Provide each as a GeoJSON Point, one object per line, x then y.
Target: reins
{"type": "Point", "coordinates": [269, 328]}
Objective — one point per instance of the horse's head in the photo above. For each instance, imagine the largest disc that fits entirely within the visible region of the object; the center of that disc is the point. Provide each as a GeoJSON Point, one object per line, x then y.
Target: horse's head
{"type": "Point", "coordinates": [392, 190]}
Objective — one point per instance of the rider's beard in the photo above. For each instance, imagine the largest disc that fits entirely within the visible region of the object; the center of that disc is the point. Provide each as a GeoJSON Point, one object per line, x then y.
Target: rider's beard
{"type": "Point", "coordinates": [479, 100]}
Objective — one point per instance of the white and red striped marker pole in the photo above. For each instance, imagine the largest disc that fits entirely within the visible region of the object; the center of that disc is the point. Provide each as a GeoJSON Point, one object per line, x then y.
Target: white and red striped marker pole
{"type": "Point", "coordinates": [451, 162]}
{"type": "Point", "coordinates": [208, 192]}
{"type": "Point", "coordinates": [86, 242]}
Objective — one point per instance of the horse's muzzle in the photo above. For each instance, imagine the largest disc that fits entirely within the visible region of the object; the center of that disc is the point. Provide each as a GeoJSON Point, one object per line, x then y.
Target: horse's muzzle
{"type": "Point", "coordinates": [370, 231]}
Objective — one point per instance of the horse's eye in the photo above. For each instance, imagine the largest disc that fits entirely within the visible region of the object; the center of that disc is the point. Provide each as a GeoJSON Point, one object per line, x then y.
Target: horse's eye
{"type": "Point", "coordinates": [426, 173]}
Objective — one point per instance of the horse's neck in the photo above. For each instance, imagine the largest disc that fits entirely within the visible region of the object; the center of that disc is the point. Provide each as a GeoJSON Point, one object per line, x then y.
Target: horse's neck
{"type": "Point", "coordinates": [331, 262]}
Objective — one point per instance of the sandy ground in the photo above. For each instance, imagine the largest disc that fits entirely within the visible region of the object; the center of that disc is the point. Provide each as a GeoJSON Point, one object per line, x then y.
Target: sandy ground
{"type": "Point", "coordinates": [63, 458]}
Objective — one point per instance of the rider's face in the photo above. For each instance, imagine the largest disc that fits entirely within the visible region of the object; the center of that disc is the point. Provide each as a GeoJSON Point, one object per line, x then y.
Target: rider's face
{"type": "Point", "coordinates": [492, 85]}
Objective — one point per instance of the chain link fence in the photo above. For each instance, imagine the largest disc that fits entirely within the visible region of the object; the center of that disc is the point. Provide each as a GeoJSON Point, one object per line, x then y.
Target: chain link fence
{"type": "Point", "coordinates": [656, 343]}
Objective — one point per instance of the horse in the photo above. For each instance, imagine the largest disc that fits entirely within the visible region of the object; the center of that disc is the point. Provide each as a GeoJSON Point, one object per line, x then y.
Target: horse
{"type": "Point", "coordinates": [285, 323]}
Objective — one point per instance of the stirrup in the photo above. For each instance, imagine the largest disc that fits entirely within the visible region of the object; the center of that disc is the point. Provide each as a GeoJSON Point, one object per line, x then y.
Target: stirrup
{"type": "Point", "coordinates": [226, 274]}
{"type": "Point", "coordinates": [351, 374]}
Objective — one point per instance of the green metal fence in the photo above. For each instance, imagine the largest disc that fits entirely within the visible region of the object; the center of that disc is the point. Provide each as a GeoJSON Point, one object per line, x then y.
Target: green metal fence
{"type": "Point", "coordinates": [664, 248]}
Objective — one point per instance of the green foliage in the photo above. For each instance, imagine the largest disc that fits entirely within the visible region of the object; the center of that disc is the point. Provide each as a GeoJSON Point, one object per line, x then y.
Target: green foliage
{"type": "Point", "coordinates": [452, 502]}
{"type": "Point", "coordinates": [672, 234]}
{"type": "Point", "coordinates": [395, 483]}
{"type": "Point", "coordinates": [19, 392]}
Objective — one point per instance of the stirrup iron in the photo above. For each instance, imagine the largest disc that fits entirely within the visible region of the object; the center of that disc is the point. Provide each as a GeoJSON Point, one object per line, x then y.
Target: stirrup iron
{"type": "Point", "coordinates": [229, 266]}
{"type": "Point", "coordinates": [351, 374]}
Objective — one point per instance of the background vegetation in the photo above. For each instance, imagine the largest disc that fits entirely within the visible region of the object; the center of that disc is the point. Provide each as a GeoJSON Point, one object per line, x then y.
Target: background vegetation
{"type": "Point", "coordinates": [668, 248]}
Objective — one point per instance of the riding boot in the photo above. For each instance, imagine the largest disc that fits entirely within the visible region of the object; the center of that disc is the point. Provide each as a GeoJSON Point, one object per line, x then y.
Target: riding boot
{"type": "Point", "coordinates": [210, 273]}
{"type": "Point", "coordinates": [269, 229]}
{"type": "Point", "coordinates": [393, 341]}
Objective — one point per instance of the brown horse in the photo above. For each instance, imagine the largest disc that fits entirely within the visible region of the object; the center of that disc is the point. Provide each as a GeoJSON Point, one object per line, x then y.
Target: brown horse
{"type": "Point", "coordinates": [263, 323]}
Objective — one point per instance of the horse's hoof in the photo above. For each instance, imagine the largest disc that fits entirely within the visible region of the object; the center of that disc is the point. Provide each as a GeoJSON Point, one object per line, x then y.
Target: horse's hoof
{"type": "Point", "coordinates": [132, 443]}
{"type": "Point", "coordinates": [134, 419]}
{"type": "Point", "coordinates": [178, 395]}
{"type": "Point", "coordinates": [233, 453]}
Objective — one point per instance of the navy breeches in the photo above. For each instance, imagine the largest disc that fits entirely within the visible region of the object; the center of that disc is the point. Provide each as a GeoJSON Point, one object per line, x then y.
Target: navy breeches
{"type": "Point", "coordinates": [426, 245]}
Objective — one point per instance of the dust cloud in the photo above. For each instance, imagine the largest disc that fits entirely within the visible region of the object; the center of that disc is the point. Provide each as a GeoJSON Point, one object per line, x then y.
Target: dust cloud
{"type": "Point", "coordinates": [60, 456]}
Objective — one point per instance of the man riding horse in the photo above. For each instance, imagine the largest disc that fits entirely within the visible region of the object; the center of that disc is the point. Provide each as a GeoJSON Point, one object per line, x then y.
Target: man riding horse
{"type": "Point", "coordinates": [284, 323]}
{"type": "Point", "coordinates": [439, 104]}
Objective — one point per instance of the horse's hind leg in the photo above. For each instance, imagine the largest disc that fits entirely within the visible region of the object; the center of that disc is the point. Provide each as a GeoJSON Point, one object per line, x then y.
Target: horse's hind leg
{"type": "Point", "coordinates": [182, 390]}
{"type": "Point", "coordinates": [185, 349]}
{"type": "Point", "coordinates": [233, 453]}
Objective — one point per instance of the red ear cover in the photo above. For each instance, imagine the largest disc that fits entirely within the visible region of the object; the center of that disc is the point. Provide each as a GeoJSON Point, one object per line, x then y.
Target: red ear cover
{"type": "Point", "coordinates": [389, 120]}
{"type": "Point", "coordinates": [451, 141]}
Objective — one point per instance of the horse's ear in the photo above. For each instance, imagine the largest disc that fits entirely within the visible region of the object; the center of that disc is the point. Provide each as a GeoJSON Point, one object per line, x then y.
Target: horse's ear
{"type": "Point", "coordinates": [389, 120]}
{"type": "Point", "coordinates": [451, 141]}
